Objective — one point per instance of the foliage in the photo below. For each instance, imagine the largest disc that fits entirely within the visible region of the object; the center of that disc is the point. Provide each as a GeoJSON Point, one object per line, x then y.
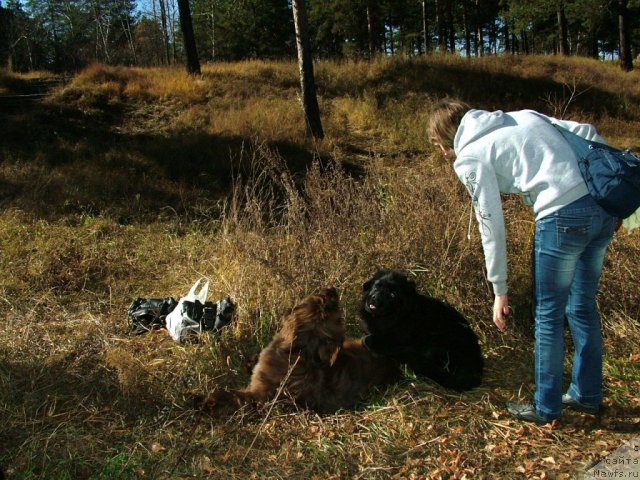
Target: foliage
{"type": "Point", "coordinates": [130, 182]}
{"type": "Point", "coordinates": [248, 29]}
{"type": "Point", "coordinates": [67, 34]}
{"type": "Point", "coordinates": [70, 34]}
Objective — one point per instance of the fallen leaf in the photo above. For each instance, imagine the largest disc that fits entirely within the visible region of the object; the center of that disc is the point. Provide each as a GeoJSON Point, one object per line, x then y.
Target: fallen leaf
{"type": "Point", "coordinates": [157, 448]}
{"type": "Point", "coordinates": [205, 465]}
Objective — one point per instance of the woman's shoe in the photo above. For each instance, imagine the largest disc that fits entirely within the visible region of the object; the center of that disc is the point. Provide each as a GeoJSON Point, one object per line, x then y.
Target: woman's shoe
{"type": "Point", "coordinates": [569, 402]}
{"type": "Point", "coordinates": [526, 412]}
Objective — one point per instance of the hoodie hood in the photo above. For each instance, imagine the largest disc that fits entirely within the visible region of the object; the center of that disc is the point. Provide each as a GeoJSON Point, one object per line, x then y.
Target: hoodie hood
{"type": "Point", "coordinates": [474, 124]}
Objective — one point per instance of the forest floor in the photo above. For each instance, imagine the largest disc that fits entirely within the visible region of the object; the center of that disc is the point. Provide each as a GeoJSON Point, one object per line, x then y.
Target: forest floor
{"type": "Point", "coordinates": [121, 183]}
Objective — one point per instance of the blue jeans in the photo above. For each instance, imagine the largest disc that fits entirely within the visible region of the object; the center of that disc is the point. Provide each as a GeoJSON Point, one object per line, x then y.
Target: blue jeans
{"type": "Point", "coordinates": [569, 249]}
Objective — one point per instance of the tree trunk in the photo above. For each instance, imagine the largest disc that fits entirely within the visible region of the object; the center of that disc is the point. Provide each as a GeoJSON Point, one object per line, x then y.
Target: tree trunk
{"type": "Point", "coordinates": [165, 31]}
{"type": "Point", "coordinates": [563, 35]}
{"type": "Point", "coordinates": [467, 32]}
{"type": "Point", "coordinates": [524, 39]}
{"type": "Point", "coordinates": [370, 29]}
{"type": "Point", "coordinates": [515, 44]}
{"type": "Point", "coordinates": [593, 42]}
{"type": "Point", "coordinates": [171, 16]}
{"type": "Point", "coordinates": [507, 38]}
{"type": "Point", "coordinates": [126, 28]}
{"type": "Point", "coordinates": [193, 64]}
{"type": "Point", "coordinates": [425, 31]}
{"type": "Point", "coordinates": [451, 28]}
{"type": "Point", "coordinates": [57, 62]}
{"type": "Point", "coordinates": [213, 33]}
{"type": "Point", "coordinates": [103, 26]}
{"type": "Point", "coordinates": [440, 25]}
{"type": "Point", "coordinates": [310, 106]}
{"type": "Point", "coordinates": [479, 31]}
{"type": "Point", "coordinates": [626, 58]}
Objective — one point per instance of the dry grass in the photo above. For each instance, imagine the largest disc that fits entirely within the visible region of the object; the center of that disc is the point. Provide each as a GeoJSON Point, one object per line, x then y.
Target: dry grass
{"type": "Point", "coordinates": [132, 182]}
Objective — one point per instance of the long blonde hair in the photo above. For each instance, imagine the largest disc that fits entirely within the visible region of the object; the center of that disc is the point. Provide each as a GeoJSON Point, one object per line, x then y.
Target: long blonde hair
{"type": "Point", "coordinates": [444, 121]}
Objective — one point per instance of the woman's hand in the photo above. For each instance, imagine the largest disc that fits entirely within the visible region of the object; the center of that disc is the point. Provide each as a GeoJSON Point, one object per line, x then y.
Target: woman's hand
{"type": "Point", "coordinates": [501, 311]}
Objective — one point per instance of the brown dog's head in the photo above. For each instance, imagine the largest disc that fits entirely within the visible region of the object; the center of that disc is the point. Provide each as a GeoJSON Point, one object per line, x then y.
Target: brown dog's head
{"type": "Point", "coordinates": [314, 327]}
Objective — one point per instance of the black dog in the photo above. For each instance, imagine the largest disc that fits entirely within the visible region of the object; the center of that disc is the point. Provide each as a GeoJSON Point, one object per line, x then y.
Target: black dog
{"type": "Point", "coordinates": [431, 337]}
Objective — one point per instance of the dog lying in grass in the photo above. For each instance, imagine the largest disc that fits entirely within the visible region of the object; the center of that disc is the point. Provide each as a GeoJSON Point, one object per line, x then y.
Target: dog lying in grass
{"type": "Point", "coordinates": [310, 362]}
{"type": "Point", "coordinates": [428, 335]}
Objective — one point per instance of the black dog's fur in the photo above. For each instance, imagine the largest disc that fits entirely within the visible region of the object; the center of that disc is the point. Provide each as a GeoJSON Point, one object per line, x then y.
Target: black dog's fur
{"type": "Point", "coordinates": [428, 335]}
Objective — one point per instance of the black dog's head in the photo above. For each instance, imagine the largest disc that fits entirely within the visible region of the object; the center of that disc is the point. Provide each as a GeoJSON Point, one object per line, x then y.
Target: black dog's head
{"type": "Point", "coordinates": [384, 296]}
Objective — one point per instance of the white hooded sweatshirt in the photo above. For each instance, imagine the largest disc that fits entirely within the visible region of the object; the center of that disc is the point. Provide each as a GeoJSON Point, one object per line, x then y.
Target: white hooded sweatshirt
{"type": "Point", "coordinates": [515, 152]}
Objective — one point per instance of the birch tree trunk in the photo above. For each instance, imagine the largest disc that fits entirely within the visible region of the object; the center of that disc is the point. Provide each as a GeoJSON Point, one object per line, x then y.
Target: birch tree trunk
{"type": "Point", "coordinates": [563, 34]}
{"type": "Point", "coordinates": [165, 30]}
{"type": "Point", "coordinates": [370, 29]}
{"type": "Point", "coordinates": [425, 31]}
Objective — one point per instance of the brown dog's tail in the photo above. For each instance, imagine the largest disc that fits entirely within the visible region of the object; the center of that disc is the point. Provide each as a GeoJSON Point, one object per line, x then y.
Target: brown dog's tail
{"type": "Point", "coordinates": [224, 401]}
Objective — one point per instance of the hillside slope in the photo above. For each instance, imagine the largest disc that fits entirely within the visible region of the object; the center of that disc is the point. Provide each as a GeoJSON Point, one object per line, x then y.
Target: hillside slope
{"type": "Point", "coordinates": [131, 182]}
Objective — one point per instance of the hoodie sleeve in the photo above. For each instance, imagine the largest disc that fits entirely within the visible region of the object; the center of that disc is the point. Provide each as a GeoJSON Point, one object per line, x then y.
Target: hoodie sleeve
{"type": "Point", "coordinates": [480, 180]}
{"type": "Point", "coordinates": [585, 130]}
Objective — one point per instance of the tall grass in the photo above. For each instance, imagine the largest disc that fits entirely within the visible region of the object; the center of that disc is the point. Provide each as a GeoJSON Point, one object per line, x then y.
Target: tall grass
{"type": "Point", "coordinates": [152, 180]}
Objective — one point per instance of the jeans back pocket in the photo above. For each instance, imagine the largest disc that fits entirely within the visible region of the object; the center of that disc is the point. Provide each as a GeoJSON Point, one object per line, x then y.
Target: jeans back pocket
{"type": "Point", "coordinates": [573, 232]}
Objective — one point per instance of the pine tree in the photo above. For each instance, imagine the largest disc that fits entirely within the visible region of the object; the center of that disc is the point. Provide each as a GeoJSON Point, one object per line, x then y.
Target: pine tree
{"type": "Point", "coordinates": [307, 81]}
{"type": "Point", "coordinates": [186, 25]}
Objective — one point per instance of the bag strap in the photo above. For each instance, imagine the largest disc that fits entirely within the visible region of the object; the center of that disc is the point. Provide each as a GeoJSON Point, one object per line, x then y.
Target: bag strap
{"type": "Point", "coordinates": [580, 145]}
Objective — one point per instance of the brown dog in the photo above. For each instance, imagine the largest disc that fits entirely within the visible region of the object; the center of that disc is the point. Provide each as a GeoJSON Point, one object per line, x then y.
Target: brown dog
{"type": "Point", "coordinates": [310, 362]}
